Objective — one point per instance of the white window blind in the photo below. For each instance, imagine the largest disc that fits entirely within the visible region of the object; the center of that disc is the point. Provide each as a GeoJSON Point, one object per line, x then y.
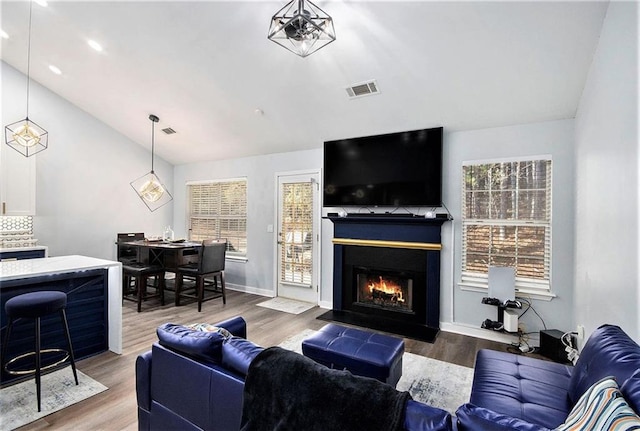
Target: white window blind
{"type": "Point", "coordinates": [506, 221]}
{"type": "Point", "coordinates": [219, 210]}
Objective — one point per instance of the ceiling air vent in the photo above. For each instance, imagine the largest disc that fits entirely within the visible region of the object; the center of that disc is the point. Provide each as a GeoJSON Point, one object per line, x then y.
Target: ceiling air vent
{"type": "Point", "coordinates": [363, 89]}
{"type": "Point", "coordinates": [169, 131]}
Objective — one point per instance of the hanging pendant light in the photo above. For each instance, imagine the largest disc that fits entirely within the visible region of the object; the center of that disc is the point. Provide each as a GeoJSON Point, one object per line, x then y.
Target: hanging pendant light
{"type": "Point", "coordinates": [25, 136]}
{"type": "Point", "coordinates": [149, 187]}
{"type": "Point", "coordinates": [302, 28]}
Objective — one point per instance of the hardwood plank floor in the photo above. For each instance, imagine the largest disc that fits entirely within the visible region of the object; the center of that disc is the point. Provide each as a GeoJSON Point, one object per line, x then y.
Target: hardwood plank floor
{"type": "Point", "coordinates": [116, 409]}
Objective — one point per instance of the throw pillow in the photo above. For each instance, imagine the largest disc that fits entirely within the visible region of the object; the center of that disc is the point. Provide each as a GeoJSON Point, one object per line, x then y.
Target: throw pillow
{"type": "Point", "coordinates": [602, 407]}
{"type": "Point", "coordinates": [205, 327]}
{"type": "Point", "coordinates": [199, 344]}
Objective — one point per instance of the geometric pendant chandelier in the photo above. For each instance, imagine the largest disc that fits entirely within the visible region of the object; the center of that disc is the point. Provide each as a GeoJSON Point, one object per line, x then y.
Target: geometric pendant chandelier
{"type": "Point", "coordinates": [25, 136]}
{"type": "Point", "coordinates": [302, 28]}
{"type": "Point", "coordinates": [149, 187]}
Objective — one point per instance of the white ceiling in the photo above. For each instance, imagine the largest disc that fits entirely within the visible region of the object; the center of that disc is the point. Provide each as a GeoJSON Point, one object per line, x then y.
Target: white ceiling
{"type": "Point", "coordinates": [205, 67]}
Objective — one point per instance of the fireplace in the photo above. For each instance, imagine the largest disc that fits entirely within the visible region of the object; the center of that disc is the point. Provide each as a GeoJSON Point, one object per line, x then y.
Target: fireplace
{"type": "Point", "coordinates": [384, 290]}
{"type": "Point", "coordinates": [387, 274]}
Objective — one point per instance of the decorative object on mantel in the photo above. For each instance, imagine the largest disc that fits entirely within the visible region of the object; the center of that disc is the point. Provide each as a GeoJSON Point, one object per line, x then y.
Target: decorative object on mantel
{"type": "Point", "coordinates": [149, 187]}
{"type": "Point", "coordinates": [302, 28]}
{"type": "Point", "coordinates": [25, 136]}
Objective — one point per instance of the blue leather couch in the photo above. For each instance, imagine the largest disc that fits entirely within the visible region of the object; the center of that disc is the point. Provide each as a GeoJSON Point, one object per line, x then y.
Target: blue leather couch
{"type": "Point", "coordinates": [193, 380]}
{"type": "Point", "coordinates": [514, 392]}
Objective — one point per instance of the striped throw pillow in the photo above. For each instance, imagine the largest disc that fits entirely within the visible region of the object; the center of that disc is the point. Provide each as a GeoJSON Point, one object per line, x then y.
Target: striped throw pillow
{"type": "Point", "coordinates": [206, 327]}
{"type": "Point", "coordinates": [601, 408]}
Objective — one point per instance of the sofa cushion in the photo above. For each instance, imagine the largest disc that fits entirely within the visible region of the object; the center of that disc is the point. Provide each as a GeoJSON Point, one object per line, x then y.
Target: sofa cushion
{"type": "Point", "coordinates": [607, 352]}
{"type": "Point", "coordinates": [473, 418]}
{"type": "Point", "coordinates": [237, 354]}
{"type": "Point", "coordinates": [602, 408]}
{"type": "Point", "coordinates": [516, 386]}
{"type": "Point", "coordinates": [631, 391]}
{"type": "Point", "coordinates": [198, 344]}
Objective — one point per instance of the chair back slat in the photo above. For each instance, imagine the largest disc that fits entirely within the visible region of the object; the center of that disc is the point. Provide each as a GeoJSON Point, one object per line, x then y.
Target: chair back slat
{"type": "Point", "coordinates": [212, 257]}
{"type": "Point", "coordinates": [127, 253]}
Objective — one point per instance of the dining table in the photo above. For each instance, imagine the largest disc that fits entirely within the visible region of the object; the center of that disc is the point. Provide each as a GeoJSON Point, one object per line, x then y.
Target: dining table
{"type": "Point", "coordinates": [169, 254]}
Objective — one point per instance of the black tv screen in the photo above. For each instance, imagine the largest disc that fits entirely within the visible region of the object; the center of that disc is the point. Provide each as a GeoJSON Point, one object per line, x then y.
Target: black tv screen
{"type": "Point", "coordinates": [396, 169]}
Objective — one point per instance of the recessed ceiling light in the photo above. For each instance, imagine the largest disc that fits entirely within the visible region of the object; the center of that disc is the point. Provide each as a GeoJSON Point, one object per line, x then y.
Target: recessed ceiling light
{"type": "Point", "coordinates": [55, 70]}
{"type": "Point", "coordinates": [95, 45]}
{"type": "Point", "coordinates": [3, 34]}
{"type": "Point", "coordinates": [42, 3]}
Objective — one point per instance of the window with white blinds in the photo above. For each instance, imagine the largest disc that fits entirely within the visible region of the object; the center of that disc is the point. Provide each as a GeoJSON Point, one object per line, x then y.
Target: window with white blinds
{"type": "Point", "coordinates": [506, 221]}
{"type": "Point", "coordinates": [218, 209]}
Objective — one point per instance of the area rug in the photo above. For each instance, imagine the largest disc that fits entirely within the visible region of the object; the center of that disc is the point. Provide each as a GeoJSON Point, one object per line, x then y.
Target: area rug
{"type": "Point", "coordinates": [286, 305]}
{"type": "Point", "coordinates": [436, 383]}
{"type": "Point", "coordinates": [18, 405]}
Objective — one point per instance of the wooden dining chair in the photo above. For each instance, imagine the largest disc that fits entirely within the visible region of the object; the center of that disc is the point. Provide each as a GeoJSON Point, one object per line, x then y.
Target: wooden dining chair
{"type": "Point", "coordinates": [210, 264]}
{"type": "Point", "coordinates": [140, 273]}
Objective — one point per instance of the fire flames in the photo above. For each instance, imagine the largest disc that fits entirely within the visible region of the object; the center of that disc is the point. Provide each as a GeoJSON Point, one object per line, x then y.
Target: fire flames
{"type": "Point", "coordinates": [385, 290]}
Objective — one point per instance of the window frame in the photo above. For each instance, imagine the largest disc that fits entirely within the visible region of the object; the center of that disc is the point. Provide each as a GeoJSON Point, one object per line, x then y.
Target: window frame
{"type": "Point", "coordinates": [231, 254]}
{"type": "Point", "coordinates": [470, 280]}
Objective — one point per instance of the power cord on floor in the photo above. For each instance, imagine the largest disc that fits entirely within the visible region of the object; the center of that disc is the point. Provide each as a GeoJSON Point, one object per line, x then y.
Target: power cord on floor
{"type": "Point", "coordinates": [569, 347]}
{"type": "Point", "coordinates": [522, 346]}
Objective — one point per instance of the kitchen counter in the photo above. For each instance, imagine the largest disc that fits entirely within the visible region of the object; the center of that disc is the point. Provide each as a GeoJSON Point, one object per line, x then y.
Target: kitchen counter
{"type": "Point", "coordinates": [30, 252]}
{"type": "Point", "coordinates": [30, 248]}
{"type": "Point", "coordinates": [20, 276]}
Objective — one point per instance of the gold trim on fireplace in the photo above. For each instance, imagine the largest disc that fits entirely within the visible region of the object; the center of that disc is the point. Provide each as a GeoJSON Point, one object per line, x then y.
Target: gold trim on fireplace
{"type": "Point", "coordinates": [389, 244]}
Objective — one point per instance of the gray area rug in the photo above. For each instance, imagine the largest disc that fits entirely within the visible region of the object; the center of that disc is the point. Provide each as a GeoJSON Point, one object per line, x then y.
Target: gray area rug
{"type": "Point", "coordinates": [286, 305]}
{"type": "Point", "coordinates": [436, 383]}
{"type": "Point", "coordinates": [18, 404]}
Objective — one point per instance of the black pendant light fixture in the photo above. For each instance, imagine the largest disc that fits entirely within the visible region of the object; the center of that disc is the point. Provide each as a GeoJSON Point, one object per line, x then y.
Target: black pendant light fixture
{"type": "Point", "coordinates": [149, 187]}
{"type": "Point", "coordinates": [302, 28]}
{"type": "Point", "coordinates": [25, 136]}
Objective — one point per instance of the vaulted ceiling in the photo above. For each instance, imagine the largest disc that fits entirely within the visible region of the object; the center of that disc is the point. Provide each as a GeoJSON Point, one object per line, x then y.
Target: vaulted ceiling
{"type": "Point", "coordinates": [208, 71]}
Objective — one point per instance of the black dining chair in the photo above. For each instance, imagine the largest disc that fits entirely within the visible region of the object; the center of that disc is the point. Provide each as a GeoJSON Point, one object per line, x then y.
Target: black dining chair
{"type": "Point", "coordinates": [137, 276]}
{"type": "Point", "coordinates": [128, 253]}
{"type": "Point", "coordinates": [210, 264]}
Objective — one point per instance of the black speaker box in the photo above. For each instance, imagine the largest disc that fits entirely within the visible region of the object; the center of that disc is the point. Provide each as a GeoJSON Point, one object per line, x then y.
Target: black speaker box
{"type": "Point", "coordinates": [551, 345]}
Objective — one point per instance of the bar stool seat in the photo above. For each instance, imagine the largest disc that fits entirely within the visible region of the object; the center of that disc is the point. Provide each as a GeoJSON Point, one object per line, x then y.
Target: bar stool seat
{"type": "Point", "coordinates": [35, 305]}
{"type": "Point", "coordinates": [140, 272]}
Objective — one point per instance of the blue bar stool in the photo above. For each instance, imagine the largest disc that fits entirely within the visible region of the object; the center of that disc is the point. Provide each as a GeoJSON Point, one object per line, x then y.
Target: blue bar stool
{"type": "Point", "coordinates": [35, 305]}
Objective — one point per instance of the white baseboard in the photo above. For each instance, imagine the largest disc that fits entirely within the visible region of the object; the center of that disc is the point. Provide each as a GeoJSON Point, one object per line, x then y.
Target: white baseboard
{"type": "Point", "coordinates": [269, 293]}
{"type": "Point", "coordinates": [326, 304]}
{"type": "Point", "coordinates": [249, 289]}
{"type": "Point", "coordinates": [473, 331]}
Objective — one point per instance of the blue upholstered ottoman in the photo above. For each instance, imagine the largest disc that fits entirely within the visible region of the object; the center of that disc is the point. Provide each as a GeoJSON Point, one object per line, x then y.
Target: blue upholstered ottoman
{"type": "Point", "coordinates": [361, 352]}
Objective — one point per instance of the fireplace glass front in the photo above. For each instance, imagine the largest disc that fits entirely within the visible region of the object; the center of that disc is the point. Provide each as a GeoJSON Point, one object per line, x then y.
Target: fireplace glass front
{"type": "Point", "coordinates": [384, 290]}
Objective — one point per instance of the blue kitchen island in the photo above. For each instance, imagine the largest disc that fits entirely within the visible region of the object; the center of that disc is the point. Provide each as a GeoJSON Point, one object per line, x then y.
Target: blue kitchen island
{"type": "Point", "coordinates": [94, 304]}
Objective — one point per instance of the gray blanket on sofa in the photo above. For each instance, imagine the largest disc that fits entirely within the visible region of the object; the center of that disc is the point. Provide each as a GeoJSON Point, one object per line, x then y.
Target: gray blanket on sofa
{"type": "Point", "coordinates": [287, 391]}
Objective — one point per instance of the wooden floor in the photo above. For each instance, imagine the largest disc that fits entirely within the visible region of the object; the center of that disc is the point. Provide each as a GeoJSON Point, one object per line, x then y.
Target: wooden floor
{"type": "Point", "coordinates": [115, 409]}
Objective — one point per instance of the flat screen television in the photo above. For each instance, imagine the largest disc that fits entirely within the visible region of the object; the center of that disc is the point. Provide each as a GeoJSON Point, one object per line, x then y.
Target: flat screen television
{"type": "Point", "coordinates": [396, 169]}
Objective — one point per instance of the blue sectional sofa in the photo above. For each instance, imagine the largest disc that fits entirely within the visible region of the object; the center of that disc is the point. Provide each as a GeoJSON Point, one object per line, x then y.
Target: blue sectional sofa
{"type": "Point", "coordinates": [514, 392]}
{"type": "Point", "coordinates": [193, 380]}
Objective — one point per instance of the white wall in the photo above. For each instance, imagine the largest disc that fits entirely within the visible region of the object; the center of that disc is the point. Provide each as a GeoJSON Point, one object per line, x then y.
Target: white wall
{"type": "Point", "coordinates": [606, 221]}
{"type": "Point", "coordinates": [83, 196]}
{"type": "Point", "coordinates": [256, 275]}
{"type": "Point", "coordinates": [554, 138]}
